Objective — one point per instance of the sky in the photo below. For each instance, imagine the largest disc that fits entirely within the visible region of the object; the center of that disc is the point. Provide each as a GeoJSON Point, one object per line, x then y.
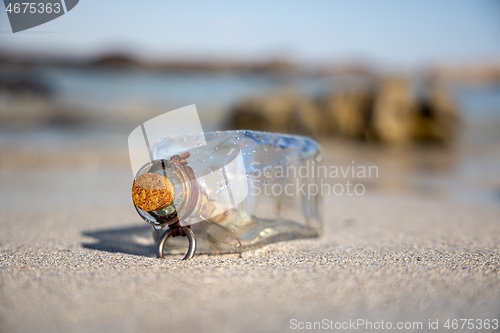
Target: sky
{"type": "Point", "coordinates": [399, 32]}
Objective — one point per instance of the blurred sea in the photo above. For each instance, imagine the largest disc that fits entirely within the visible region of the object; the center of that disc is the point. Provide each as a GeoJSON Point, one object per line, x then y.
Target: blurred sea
{"type": "Point", "coordinates": [215, 93]}
{"type": "Point", "coordinates": [122, 99]}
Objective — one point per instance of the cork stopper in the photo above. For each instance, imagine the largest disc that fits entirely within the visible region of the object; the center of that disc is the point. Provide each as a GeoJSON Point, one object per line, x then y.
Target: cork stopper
{"type": "Point", "coordinates": [151, 192]}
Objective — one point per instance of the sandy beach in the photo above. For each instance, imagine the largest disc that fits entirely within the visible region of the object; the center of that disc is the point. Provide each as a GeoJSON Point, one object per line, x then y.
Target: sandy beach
{"type": "Point", "coordinates": [402, 97]}
{"type": "Point", "coordinates": [76, 257]}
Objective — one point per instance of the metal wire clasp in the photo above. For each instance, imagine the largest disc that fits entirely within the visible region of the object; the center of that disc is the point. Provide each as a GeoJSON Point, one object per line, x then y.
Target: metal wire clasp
{"type": "Point", "coordinates": [182, 231]}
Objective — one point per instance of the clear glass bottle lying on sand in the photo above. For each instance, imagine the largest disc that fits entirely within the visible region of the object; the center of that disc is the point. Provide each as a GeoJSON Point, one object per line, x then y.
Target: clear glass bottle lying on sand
{"type": "Point", "coordinates": [240, 191]}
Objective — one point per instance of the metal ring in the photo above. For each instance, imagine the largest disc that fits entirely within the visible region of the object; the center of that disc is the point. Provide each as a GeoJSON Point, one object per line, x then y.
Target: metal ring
{"type": "Point", "coordinates": [163, 239]}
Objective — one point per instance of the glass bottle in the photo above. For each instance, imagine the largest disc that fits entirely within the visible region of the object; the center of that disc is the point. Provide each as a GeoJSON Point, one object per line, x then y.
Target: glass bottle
{"type": "Point", "coordinates": [240, 191]}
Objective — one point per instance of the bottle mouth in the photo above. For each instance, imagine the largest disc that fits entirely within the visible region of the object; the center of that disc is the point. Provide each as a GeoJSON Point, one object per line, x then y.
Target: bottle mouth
{"type": "Point", "coordinates": [151, 192]}
{"type": "Point", "coordinates": [163, 192]}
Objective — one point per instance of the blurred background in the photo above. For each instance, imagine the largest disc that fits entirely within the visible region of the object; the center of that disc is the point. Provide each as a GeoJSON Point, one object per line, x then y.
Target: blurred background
{"type": "Point", "coordinates": [413, 88]}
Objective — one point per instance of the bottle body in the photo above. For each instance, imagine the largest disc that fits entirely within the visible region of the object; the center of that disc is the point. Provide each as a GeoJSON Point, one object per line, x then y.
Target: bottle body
{"type": "Point", "coordinates": [254, 188]}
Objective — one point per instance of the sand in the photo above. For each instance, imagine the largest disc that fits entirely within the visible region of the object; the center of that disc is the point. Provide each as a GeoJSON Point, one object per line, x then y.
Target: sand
{"type": "Point", "coordinates": [75, 257]}
{"type": "Point", "coordinates": [391, 260]}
